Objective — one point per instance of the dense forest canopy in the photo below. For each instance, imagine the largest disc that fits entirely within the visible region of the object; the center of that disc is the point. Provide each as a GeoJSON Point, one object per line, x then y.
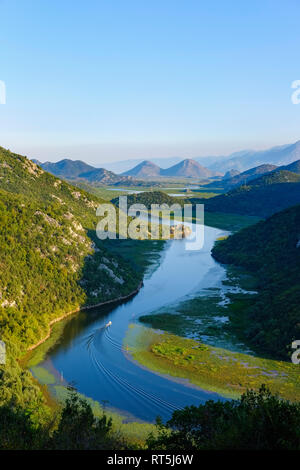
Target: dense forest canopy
{"type": "Point", "coordinates": [261, 197]}
{"type": "Point", "coordinates": [51, 263]}
{"type": "Point", "coordinates": [151, 197]}
{"type": "Point", "coordinates": [271, 249]}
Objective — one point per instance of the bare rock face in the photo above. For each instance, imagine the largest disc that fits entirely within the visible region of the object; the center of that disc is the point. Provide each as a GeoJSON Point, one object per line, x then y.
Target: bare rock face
{"type": "Point", "coordinates": [110, 272]}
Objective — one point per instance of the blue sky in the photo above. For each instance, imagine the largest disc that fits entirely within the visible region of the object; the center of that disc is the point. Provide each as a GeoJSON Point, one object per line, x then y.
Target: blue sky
{"type": "Point", "coordinates": [112, 80]}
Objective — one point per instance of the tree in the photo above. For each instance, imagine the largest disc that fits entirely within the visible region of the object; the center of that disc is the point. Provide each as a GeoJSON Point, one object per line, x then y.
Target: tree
{"type": "Point", "coordinates": [79, 429]}
{"type": "Point", "coordinates": [258, 421]}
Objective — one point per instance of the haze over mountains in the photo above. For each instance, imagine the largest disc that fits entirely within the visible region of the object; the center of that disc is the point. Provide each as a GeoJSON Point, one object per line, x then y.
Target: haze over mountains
{"type": "Point", "coordinates": [189, 169]}
{"type": "Point", "coordinates": [79, 170]}
{"type": "Point", "coordinates": [185, 169]}
{"type": "Point", "coordinates": [230, 174]}
{"type": "Point", "coordinates": [246, 176]}
{"type": "Point", "coordinates": [144, 169]}
{"type": "Point", "coordinates": [239, 167]}
{"type": "Point", "coordinates": [241, 161]}
{"type": "Point", "coordinates": [74, 170]}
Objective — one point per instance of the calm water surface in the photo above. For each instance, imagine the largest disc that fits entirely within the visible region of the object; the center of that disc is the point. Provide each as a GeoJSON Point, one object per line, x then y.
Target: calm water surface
{"type": "Point", "coordinates": [92, 357]}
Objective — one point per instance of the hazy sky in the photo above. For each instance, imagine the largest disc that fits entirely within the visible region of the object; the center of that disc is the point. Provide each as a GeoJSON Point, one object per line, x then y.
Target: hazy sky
{"type": "Point", "coordinates": [112, 80]}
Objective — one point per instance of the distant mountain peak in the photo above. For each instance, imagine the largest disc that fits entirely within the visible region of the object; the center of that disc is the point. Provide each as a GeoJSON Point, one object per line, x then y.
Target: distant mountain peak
{"type": "Point", "coordinates": [79, 170]}
{"type": "Point", "coordinates": [145, 169]}
{"type": "Point", "coordinates": [67, 168]}
{"type": "Point", "coordinates": [187, 168]}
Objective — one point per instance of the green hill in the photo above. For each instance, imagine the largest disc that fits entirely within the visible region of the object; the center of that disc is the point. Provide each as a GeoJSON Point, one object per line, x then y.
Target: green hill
{"type": "Point", "coordinates": [270, 249]}
{"type": "Point", "coordinates": [51, 260]}
{"type": "Point", "coordinates": [151, 197]}
{"type": "Point", "coordinates": [294, 167]}
{"type": "Point", "coordinates": [260, 197]}
{"type": "Point", "coordinates": [66, 168]}
{"type": "Point", "coordinates": [275, 177]}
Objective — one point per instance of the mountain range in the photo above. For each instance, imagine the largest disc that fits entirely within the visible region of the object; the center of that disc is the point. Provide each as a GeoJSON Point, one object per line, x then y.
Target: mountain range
{"type": "Point", "coordinates": [78, 170]}
{"type": "Point", "coordinates": [234, 166]}
{"type": "Point", "coordinates": [185, 169]}
{"type": "Point", "coordinates": [72, 168]}
{"type": "Point", "coordinates": [246, 176]}
{"type": "Point", "coordinates": [239, 161]}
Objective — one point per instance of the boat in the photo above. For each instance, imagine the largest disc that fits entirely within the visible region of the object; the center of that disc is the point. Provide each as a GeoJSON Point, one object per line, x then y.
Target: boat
{"type": "Point", "coordinates": [108, 324]}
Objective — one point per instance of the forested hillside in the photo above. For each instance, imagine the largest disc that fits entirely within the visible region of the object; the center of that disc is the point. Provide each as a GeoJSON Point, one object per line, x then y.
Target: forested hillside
{"type": "Point", "coordinates": [151, 197]}
{"type": "Point", "coordinates": [51, 263]}
{"type": "Point", "coordinates": [275, 177]}
{"type": "Point", "coordinates": [236, 179]}
{"type": "Point", "coordinates": [262, 197]}
{"type": "Point", "coordinates": [271, 249]}
{"type": "Point", "coordinates": [49, 267]}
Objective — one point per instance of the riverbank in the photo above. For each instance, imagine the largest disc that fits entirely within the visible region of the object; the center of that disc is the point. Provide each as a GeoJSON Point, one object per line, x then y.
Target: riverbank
{"type": "Point", "coordinates": [201, 339]}
{"type": "Point", "coordinates": [144, 258]}
{"type": "Point", "coordinates": [84, 307]}
{"type": "Point", "coordinates": [211, 316]}
{"type": "Point", "coordinates": [164, 284]}
{"type": "Point", "coordinates": [215, 369]}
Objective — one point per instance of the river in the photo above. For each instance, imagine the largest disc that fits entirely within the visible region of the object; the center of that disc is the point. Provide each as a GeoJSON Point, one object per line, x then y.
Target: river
{"type": "Point", "coordinates": [92, 357]}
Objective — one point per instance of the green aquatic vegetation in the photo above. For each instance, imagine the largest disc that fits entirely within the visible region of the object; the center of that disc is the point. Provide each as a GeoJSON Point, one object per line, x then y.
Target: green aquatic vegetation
{"type": "Point", "coordinates": [206, 318]}
{"type": "Point", "coordinates": [215, 369]}
{"type": "Point", "coordinates": [43, 375]}
{"type": "Point", "coordinates": [231, 222]}
{"type": "Point", "coordinates": [37, 355]}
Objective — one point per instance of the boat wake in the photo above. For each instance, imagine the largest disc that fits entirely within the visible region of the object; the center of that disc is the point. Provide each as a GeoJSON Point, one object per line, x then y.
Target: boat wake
{"type": "Point", "coordinates": [93, 343]}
